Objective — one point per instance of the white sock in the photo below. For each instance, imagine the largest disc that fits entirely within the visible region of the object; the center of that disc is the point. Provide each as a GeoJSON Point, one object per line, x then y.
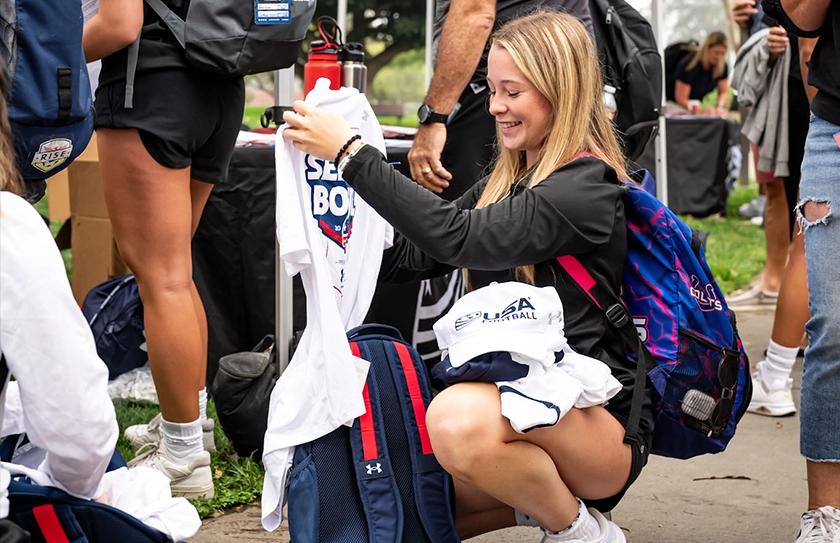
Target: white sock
{"type": "Point", "coordinates": [202, 404]}
{"type": "Point", "coordinates": [524, 520]}
{"type": "Point", "coordinates": [777, 366]}
{"type": "Point", "coordinates": [182, 440]}
{"type": "Point", "coordinates": [584, 528]}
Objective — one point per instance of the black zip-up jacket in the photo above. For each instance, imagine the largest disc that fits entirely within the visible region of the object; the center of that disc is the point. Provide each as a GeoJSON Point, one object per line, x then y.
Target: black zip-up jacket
{"type": "Point", "coordinates": [824, 67]}
{"type": "Point", "coordinates": [577, 210]}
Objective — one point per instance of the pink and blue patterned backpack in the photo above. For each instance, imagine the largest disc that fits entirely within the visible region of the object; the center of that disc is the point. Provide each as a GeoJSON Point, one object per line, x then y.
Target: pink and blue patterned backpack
{"type": "Point", "coordinates": [674, 320]}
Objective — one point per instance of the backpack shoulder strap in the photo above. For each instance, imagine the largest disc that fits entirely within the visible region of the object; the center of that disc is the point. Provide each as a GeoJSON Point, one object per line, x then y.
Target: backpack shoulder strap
{"type": "Point", "coordinates": [619, 318]}
{"type": "Point", "coordinates": [176, 26]}
{"type": "Point", "coordinates": [374, 475]}
{"type": "Point", "coordinates": [431, 483]}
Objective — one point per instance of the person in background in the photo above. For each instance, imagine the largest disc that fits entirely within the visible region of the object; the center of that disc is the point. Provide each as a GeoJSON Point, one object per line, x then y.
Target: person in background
{"type": "Point", "coordinates": [61, 384]}
{"type": "Point", "coordinates": [772, 382]}
{"type": "Point", "coordinates": [544, 197]}
{"type": "Point", "coordinates": [702, 73]}
{"type": "Point", "coordinates": [163, 143]}
{"type": "Point", "coordinates": [819, 192]}
{"type": "Point", "coordinates": [456, 139]}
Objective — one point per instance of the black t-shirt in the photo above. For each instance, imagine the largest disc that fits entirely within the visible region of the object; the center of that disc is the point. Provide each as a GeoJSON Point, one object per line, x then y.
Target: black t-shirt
{"type": "Point", "coordinates": [158, 47]}
{"type": "Point", "coordinates": [578, 210]}
{"type": "Point", "coordinates": [824, 67]}
{"type": "Point", "coordinates": [701, 80]}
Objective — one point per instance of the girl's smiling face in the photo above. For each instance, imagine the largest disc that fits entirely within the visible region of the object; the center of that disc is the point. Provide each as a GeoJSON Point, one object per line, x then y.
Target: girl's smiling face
{"type": "Point", "coordinates": [522, 113]}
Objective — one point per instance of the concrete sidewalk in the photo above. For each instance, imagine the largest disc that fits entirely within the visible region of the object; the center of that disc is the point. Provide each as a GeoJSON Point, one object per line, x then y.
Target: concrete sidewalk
{"type": "Point", "coordinates": [753, 492]}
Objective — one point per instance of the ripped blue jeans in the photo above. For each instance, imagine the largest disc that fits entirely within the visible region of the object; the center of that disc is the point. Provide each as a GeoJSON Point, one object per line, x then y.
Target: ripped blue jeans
{"type": "Point", "coordinates": [819, 194]}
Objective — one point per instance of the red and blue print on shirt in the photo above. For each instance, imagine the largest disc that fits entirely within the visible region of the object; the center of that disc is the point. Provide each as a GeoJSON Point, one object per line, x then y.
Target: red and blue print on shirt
{"type": "Point", "coordinates": [694, 357]}
{"type": "Point", "coordinates": [333, 201]}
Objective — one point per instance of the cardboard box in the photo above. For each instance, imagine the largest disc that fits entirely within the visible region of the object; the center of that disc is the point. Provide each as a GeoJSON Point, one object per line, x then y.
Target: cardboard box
{"type": "Point", "coordinates": [95, 254]}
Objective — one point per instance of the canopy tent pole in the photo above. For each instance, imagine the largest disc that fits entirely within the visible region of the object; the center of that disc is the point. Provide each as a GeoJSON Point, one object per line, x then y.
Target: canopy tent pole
{"type": "Point", "coordinates": [284, 94]}
{"type": "Point", "coordinates": [427, 59]}
{"type": "Point", "coordinates": [341, 16]}
{"type": "Point", "coordinates": [660, 143]}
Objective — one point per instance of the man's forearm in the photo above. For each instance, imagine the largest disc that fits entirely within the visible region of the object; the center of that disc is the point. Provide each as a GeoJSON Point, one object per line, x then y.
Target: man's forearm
{"type": "Point", "coordinates": [808, 15]}
{"type": "Point", "coordinates": [465, 31]}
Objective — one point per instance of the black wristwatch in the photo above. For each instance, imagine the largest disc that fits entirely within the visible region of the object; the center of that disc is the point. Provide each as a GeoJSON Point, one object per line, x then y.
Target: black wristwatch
{"type": "Point", "coordinates": [427, 116]}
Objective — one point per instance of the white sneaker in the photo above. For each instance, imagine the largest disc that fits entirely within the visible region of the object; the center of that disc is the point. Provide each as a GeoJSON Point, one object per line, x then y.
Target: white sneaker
{"type": "Point", "coordinates": [193, 479]}
{"type": "Point", "coordinates": [610, 532]}
{"type": "Point", "coordinates": [820, 526]}
{"type": "Point", "coordinates": [777, 403]}
{"type": "Point", "coordinates": [144, 434]}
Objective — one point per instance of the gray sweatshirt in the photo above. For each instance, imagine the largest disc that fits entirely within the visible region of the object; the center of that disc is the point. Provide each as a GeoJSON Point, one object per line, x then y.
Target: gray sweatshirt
{"type": "Point", "coordinates": [763, 96]}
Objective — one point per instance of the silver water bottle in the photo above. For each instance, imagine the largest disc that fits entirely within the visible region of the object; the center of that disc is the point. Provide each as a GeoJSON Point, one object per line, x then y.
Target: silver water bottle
{"type": "Point", "coordinates": [353, 69]}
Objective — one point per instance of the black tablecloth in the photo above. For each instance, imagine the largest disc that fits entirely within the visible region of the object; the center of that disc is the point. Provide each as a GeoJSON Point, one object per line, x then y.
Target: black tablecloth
{"type": "Point", "coordinates": [698, 163]}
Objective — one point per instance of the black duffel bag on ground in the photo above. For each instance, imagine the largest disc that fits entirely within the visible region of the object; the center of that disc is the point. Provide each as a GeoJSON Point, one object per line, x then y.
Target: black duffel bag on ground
{"type": "Point", "coordinates": [241, 390]}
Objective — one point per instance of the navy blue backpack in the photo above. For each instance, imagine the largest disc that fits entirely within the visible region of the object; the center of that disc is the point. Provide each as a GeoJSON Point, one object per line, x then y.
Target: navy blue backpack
{"type": "Point", "coordinates": [115, 314]}
{"type": "Point", "coordinates": [53, 516]}
{"type": "Point", "coordinates": [673, 318]}
{"type": "Point", "coordinates": [377, 482]}
{"type": "Point", "coordinates": [50, 103]}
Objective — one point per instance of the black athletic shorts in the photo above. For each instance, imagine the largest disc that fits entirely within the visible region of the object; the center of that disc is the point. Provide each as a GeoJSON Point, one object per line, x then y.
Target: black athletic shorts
{"type": "Point", "coordinates": [184, 118]}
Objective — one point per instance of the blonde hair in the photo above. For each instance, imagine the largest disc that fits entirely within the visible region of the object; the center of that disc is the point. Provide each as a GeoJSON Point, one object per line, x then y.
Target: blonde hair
{"type": "Point", "coordinates": [556, 54]}
{"type": "Point", "coordinates": [714, 39]}
{"type": "Point", "coordinates": [9, 177]}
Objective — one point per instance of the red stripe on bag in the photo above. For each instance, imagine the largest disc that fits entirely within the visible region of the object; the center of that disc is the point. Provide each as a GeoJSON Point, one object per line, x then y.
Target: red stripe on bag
{"type": "Point", "coordinates": [48, 523]}
{"type": "Point", "coordinates": [410, 372]}
{"type": "Point", "coordinates": [369, 449]}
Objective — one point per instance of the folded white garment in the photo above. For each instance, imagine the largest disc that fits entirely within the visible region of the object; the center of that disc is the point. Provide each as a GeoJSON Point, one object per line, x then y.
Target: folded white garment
{"type": "Point", "coordinates": [144, 493]}
{"type": "Point", "coordinates": [546, 394]}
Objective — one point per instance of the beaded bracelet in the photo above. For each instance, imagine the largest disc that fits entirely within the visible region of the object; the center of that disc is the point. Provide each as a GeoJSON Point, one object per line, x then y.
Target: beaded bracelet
{"type": "Point", "coordinates": [345, 147]}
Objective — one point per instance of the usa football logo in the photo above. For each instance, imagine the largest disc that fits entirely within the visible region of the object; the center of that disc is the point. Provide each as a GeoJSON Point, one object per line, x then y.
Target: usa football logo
{"type": "Point", "coordinates": [333, 201]}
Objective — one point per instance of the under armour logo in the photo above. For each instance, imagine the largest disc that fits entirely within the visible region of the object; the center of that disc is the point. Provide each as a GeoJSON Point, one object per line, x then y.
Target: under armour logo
{"type": "Point", "coordinates": [371, 468]}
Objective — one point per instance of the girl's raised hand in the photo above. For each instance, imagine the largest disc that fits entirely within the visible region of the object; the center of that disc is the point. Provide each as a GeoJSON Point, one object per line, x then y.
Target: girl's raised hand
{"type": "Point", "coordinates": [316, 131]}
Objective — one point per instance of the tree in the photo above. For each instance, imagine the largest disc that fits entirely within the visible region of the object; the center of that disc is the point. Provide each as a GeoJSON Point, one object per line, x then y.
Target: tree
{"type": "Point", "coordinates": [398, 25]}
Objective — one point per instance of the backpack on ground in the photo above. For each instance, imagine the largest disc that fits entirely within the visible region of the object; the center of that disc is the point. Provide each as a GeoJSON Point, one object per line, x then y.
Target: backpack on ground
{"type": "Point", "coordinates": [49, 98]}
{"type": "Point", "coordinates": [235, 37]}
{"type": "Point", "coordinates": [674, 320]}
{"type": "Point", "coordinates": [377, 482]}
{"type": "Point", "coordinates": [52, 515]}
{"type": "Point", "coordinates": [632, 65]}
{"type": "Point", "coordinates": [114, 313]}
{"type": "Point", "coordinates": [675, 54]}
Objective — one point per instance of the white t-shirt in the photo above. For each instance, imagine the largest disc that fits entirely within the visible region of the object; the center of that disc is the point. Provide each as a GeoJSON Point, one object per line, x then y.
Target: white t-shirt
{"type": "Point", "coordinates": [329, 235]}
{"type": "Point", "coordinates": [49, 348]}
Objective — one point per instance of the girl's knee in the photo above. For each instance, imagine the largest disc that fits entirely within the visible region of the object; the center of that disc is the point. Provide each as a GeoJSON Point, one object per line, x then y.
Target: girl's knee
{"type": "Point", "coordinates": [464, 429]}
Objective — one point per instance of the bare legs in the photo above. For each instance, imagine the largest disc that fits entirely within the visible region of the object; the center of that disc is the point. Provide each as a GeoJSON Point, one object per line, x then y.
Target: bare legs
{"type": "Point", "coordinates": [154, 211]}
{"type": "Point", "coordinates": [539, 473]}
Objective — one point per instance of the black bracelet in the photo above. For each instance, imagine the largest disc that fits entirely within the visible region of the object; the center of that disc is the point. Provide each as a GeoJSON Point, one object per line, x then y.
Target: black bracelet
{"type": "Point", "coordinates": [345, 147]}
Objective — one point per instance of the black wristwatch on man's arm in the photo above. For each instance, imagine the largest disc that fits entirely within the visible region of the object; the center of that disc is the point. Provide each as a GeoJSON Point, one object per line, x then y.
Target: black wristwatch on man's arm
{"type": "Point", "coordinates": [426, 115]}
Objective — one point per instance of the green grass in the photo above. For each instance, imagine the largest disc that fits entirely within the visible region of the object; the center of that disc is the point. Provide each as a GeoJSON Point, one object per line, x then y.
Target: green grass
{"type": "Point", "coordinates": [237, 480]}
{"type": "Point", "coordinates": [735, 248]}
